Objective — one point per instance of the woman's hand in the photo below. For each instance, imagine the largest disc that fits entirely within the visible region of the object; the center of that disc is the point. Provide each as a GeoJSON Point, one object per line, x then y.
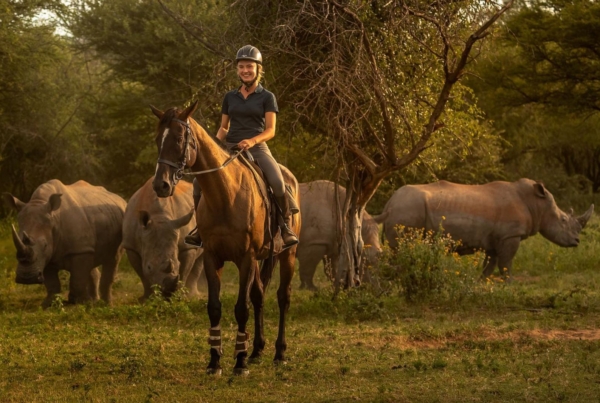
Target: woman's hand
{"type": "Point", "coordinates": [246, 144]}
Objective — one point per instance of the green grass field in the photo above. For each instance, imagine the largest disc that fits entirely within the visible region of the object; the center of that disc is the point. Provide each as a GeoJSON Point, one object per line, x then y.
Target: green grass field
{"type": "Point", "coordinates": [535, 340]}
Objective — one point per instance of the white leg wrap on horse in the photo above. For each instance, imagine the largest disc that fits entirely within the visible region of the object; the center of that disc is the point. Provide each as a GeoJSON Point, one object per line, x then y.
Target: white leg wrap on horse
{"type": "Point", "coordinates": [241, 344]}
{"type": "Point", "coordinates": [214, 339]}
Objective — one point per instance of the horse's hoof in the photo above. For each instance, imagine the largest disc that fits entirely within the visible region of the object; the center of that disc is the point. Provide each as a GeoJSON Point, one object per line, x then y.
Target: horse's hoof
{"type": "Point", "coordinates": [241, 371]}
{"type": "Point", "coordinates": [279, 363]}
{"type": "Point", "coordinates": [214, 371]}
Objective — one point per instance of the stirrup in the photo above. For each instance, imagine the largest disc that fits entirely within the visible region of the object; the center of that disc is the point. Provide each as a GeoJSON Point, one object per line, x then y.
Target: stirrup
{"type": "Point", "coordinates": [193, 239]}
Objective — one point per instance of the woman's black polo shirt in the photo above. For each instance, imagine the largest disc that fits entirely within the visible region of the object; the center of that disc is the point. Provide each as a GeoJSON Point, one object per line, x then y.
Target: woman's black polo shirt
{"type": "Point", "coordinates": [247, 116]}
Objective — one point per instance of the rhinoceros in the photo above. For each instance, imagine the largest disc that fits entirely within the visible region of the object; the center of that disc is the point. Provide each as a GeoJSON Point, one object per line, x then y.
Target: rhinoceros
{"type": "Point", "coordinates": [70, 227]}
{"type": "Point", "coordinates": [153, 233]}
{"type": "Point", "coordinates": [318, 239]}
{"type": "Point", "coordinates": [494, 217]}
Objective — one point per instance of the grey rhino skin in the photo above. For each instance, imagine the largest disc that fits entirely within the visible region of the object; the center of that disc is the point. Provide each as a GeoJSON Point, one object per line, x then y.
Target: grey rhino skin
{"type": "Point", "coordinates": [494, 217]}
{"type": "Point", "coordinates": [70, 227]}
{"type": "Point", "coordinates": [153, 233]}
{"type": "Point", "coordinates": [318, 238]}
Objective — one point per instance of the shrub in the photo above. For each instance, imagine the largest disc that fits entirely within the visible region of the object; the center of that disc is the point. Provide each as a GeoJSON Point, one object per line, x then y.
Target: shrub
{"type": "Point", "coordinates": [425, 267]}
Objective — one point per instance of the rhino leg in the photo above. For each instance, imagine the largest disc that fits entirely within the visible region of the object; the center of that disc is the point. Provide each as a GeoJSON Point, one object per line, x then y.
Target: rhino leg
{"type": "Point", "coordinates": [506, 252]}
{"type": "Point", "coordinates": [192, 280]}
{"type": "Point", "coordinates": [309, 260]}
{"type": "Point", "coordinates": [93, 284]}
{"type": "Point", "coordinates": [187, 261]}
{"type": "Point", "coordinates": [80, 267]}
{"type": "Point", "coordinates": [52, 283]}
{"type": "Point", "coordinates": [490, 264]}
{"type": "Point", "coordinates": [109, 272]}
{"type": "Point", "coordinates": [136, 262]}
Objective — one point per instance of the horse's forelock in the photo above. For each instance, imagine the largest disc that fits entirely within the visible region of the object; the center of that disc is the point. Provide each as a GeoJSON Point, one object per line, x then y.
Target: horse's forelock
{"type": "Point", "coordinates": [169, 115]}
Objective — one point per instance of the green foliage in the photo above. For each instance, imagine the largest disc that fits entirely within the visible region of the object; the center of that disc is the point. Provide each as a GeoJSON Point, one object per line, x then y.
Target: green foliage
{"type": "Point", "coordinates": [425, 267]}
{"type": "Point", "coordinates": [539, 85]}
{"type": "Point", "coordinates": [43, 87]}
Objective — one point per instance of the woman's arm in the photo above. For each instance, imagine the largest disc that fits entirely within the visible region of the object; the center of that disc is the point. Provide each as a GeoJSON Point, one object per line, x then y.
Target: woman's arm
{"type": "Point", "coordinates": [268, 134]}
{"type": "Point", "coordinates": [222, 133]}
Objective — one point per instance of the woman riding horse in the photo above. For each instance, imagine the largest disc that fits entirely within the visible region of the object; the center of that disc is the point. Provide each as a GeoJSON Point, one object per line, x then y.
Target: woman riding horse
{"type": "Point", "coordinates": [248, 118]}
{"type": "Point", "coordinates": [232, 215]}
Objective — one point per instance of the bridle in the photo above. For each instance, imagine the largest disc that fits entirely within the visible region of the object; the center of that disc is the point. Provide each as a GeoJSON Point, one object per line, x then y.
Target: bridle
{"type": "Point", "coordinates": [181, 165]}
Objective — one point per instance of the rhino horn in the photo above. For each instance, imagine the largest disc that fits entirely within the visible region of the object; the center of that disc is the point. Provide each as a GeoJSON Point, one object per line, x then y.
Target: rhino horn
{"type": "Point", "coordinates": [21, 247]}
{"type": "Point", "coordinates": [381, 217]}
{"type": "Point", "coordinates": [184, 220]}
{"type": "Point", "coordinates": [586, 216]}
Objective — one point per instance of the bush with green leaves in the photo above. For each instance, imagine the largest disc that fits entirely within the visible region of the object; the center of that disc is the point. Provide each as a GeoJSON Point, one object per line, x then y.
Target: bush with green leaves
{"type": "Point", "coordinates": [426, 267]}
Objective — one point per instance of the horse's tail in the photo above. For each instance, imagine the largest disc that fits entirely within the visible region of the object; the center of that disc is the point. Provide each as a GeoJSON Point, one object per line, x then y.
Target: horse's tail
{"type": "Point", "coordinates": [266, 271]}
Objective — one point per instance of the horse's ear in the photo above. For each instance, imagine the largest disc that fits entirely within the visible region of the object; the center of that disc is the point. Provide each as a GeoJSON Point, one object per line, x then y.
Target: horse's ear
{"type": "Point", "coordinates": [188, 111]}
{"type": "Point", "coordinates": [157, 112]}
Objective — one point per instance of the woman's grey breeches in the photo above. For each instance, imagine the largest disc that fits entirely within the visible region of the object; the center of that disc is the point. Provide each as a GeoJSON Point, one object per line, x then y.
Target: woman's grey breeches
{"type": "Point", "coordinates": [262, 156]}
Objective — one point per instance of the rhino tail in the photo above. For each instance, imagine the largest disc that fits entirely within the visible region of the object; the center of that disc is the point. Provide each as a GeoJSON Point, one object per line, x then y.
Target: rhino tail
{"type": "Point", "coordinates": [379, 219]}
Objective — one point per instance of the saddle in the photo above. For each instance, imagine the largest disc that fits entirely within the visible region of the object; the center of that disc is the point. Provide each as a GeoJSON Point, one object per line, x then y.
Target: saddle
{"type": "Point", "coordinates": [273, 242]}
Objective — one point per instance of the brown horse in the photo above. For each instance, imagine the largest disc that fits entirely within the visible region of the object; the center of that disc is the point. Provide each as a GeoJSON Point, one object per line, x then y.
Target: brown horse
{"type": "Point", "coordinates": [231, 220]}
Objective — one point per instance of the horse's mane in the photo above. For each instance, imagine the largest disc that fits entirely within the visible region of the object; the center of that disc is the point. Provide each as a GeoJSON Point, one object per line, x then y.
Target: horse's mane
{"type": "Point", "coordinates": [172, 113]}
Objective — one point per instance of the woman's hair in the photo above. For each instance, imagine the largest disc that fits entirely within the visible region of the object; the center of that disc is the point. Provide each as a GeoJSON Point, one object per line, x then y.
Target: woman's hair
{"type": "Point", "coordinates": [259, 73]}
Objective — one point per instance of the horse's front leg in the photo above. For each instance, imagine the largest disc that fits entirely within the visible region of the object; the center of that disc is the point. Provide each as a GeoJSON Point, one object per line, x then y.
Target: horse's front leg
{"type": "Point", "coordinates": [213, 268]}
{"type": "Point", "coordinates": [248, 268]}
{"type": "Point", "coordinates": [287, 261]}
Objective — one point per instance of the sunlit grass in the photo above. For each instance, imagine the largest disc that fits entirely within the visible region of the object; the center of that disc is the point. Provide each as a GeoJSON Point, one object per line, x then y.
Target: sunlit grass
{"type": "Point", "coordinates": [535, 340]}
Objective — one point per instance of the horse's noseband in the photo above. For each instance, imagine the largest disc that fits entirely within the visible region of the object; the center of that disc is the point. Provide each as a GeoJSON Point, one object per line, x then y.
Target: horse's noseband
{"type": "Point", "coordinates": [179, 166]}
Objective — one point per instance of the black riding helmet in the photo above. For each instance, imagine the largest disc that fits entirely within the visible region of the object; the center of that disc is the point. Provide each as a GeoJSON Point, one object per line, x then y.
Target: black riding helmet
{"type": "Point", "coordinates": [249, 52]}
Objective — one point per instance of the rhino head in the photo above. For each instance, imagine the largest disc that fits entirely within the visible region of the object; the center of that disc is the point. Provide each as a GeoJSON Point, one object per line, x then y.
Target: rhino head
{"type": "Point", "coordinates": [557, 226]}
{"type": "Point", "coordinates": [34, 243]}
{"type": "Point", "coordinates": [160, 260]}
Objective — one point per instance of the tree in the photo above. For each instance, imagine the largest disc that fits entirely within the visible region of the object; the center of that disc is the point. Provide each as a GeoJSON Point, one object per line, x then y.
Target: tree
{"type": "Point", "coordinates": [374, 78]}
{"type": "Point", "coordinates": [42, 89]}
{"type": "Point", "coordinates": [540, 87]}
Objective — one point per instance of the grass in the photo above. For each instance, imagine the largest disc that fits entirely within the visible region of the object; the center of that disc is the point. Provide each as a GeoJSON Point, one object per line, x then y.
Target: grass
{"type": "Point", "coordinates": [536, 340]}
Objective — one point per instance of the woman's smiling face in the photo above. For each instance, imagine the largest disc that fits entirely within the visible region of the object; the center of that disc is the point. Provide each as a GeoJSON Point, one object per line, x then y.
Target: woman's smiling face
{"type": "Point", "coordinates": [247, 70]}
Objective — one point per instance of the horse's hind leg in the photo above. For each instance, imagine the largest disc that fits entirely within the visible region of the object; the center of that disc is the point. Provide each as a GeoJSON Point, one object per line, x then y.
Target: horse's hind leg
{"type": "Point", "coordinates": [213, 268]}
{"type": "Point", "coordinates": [257, 296]}
{"type": "Point", "coordinates": [248, 269]}
{"type": "Point", "coordinates": [287, 261]}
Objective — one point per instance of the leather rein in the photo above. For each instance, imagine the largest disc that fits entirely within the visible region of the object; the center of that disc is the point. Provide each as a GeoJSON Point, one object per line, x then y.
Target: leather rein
{"type": "Point", "coordinates": [181, 165]}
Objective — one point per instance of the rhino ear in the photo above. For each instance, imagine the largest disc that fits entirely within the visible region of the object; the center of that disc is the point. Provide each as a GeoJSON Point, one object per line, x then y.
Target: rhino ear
{"type": "Point", "coordinates": [188, 111]}
{"type": "Point", "coordinates": [13, 202]}
{"type": "Point", "coordinates": [144, 218]}
{"type": "Point", "coordinates": [539, 189]}
{"type": "Point", "coordinates": [157, 112]}
{"type": "Point", "coordinates": [54, 202]}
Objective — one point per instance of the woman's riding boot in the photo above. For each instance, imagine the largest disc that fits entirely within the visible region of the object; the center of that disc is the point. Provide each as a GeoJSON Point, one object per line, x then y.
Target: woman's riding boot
{"type": "Point", "coordinates": [288, 236]}
{"type": "Point", "coordinates": [193, 238]}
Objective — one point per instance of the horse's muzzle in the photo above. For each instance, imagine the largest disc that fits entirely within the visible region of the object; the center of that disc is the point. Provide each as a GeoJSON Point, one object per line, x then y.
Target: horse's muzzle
{"type": "Point", "coordinates": [162, 188]}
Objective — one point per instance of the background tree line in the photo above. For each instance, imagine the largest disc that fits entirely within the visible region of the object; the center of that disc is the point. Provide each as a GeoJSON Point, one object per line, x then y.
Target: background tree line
{"type": "Point", "coordinates": [77, 79]}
